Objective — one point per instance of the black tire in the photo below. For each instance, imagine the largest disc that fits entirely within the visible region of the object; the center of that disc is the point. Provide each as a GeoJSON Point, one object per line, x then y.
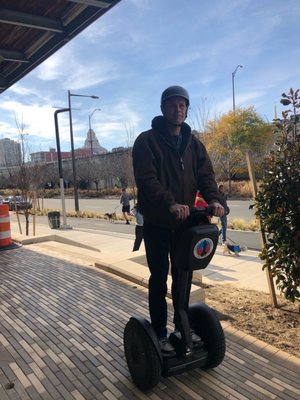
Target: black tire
{"type": "Point", "coordinates": [141, 356]}
{"type": "Point", "coordinates": [207, 326]}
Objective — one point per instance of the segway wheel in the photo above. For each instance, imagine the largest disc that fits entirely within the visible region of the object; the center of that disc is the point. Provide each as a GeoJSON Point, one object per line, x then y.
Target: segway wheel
{"type": "Point", "coordinates": [208, 327]}
{"type": "Point", "coordinates": [141, 356]}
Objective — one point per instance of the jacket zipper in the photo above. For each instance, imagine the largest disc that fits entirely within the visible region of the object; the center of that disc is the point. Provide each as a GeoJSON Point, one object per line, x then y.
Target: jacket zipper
{"type": "Point", "coordinates": [181, 163]}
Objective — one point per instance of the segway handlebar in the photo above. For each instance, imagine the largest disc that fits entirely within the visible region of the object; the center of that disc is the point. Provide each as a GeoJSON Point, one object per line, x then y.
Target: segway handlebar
{"type": "Point", "coordinates": [198, 215]}
{"type": "Point", "coordinates": [207, 211]}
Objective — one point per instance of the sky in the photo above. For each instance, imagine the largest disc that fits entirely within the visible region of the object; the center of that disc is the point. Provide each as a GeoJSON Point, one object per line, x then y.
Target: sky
{"type": "Point", "coordinates": [138, 48]}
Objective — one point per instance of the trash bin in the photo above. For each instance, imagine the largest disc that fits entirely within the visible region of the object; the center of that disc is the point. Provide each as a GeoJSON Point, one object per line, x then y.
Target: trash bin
{"type": "Point", "coordinates": [54, 219]}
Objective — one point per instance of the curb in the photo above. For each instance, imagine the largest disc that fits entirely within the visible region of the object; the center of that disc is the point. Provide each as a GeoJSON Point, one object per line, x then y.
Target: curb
{"type": "Point", "coordinates": [53, 238]}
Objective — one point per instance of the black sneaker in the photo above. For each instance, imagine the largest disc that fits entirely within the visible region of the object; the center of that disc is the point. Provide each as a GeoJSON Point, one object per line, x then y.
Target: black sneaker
{"type": "Point", "coordinates": [195, 338]}
{"type": "Point", "coordinates": [127, 223]}
{"type": "Point", "coordinates": [165, 345]}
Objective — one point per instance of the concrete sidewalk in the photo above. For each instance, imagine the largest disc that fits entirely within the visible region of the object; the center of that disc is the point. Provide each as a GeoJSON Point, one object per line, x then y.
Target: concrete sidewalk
{"type": "Point", "coordinates": [62, 324]}
{"type": "Point", "coordinates": [113, 252]}
{"type": "Point", "coordinates": [61, 338]}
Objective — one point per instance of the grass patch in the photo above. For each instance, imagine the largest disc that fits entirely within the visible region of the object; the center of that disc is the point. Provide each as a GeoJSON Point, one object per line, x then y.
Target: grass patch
{"type": "Point", "coordinates": [81, 214]}
{"type": "Point", "coordinates": [235, 224]}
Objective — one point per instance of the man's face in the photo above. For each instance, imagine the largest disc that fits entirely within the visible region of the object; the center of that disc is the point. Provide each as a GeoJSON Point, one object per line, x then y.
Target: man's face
{"type": "Point", "coordinates": [174, 110]}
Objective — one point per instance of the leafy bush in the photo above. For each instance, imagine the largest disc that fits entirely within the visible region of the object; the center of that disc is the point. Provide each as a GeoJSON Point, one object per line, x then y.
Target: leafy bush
{"type": "Point", "coordinates": [278, 201]}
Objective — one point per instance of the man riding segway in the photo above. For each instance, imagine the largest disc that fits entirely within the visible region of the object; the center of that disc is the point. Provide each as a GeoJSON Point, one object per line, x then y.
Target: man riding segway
{"type": "Point", "coordinates": [170, 165]}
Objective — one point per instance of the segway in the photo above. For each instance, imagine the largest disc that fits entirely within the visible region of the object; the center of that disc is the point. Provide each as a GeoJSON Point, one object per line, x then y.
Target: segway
{"type": "Point", "coordinates": [196, 242]}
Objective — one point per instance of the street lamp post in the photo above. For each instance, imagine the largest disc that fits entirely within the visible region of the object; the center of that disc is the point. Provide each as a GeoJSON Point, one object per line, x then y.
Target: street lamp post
{"type": "Point", "coordinates": [90, 129]}
{"type": "Point", "coordinates": [72, 145]}
{"type": "Point", "coordinates": [233, 106]}
{"type": "Point", "coordinates": [60, 170]}
{"type": "Point", "coordinates": [232, 77]}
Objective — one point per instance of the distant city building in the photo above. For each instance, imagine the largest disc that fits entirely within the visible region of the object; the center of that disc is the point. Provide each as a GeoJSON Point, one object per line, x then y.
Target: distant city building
{"type": "Point", "coordinates": [92, 143]}
{"type": "Point", "coordinates": [10, 153]}
{"type": "Point", "coordinates": [48, 156]}
{"type": "Point", "coordinates": [91, 147]}
{"type": "Point", "coordinates": [51, 155]}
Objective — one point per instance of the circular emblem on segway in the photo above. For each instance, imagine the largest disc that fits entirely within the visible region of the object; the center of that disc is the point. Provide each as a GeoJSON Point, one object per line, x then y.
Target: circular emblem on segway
{"type": "Point", "coordinates": [203, 248]}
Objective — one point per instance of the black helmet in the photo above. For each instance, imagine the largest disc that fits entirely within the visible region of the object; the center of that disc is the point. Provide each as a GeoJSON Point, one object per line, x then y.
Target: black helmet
{"type": "Point", "coordinates": [175, 91]}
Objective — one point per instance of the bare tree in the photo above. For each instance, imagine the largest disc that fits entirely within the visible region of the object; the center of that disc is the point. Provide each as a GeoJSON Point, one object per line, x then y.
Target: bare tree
{"type": "Point", "coordinates": [23, 175]}
{"type": "Point", "coordinates": [201, 116]}
{"type": "Point", "coordinates": [130, 133]}
{"type": "Point", "coordinates": [200, 120]}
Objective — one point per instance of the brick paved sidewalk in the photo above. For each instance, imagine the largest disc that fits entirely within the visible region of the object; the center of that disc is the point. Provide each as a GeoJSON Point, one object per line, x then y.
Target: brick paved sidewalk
{"type": "Point", "coordinates": [61, 330]}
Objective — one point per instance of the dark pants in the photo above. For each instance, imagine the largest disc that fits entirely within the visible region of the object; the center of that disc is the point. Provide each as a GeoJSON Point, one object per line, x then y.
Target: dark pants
{"type": "Point", "coordinates": [223, 229]}
{"type": "Point", "coordinates": [138, 237]}
{"type": "Point", "coordinates": [159, 244]}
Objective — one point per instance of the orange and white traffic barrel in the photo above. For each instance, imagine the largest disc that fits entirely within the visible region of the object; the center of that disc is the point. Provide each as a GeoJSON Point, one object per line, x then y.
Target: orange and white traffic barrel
{"type": "Point", "coordinates": [5, 234]}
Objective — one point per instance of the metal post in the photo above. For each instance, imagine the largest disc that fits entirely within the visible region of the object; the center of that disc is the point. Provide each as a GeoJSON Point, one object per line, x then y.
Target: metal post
{"type": "Point", "coordinates": [73, 155]}
{"type": "Point", "coordinates": [233, 96]}
{"type": "Point", "coordinates": [90, 132]}
{"type": "Point", "coordinates": [233, 106]}
{"type": "Point", "coordinates": [232, 79]}
{"type": "Point", "coordinates": [61, 180]}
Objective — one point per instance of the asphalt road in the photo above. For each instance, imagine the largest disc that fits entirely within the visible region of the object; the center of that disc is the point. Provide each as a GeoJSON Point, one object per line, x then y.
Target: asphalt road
{"type": "Point", "coordinates": [239, 209]}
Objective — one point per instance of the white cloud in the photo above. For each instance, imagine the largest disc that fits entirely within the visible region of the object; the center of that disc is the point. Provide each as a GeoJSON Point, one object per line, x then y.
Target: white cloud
{"type": "Point", "coordinates": [140, 4]}
{"type": "Point", "coordinates": [77, 72]}
{"type": "Point", "coordinates": [99, 31]}
{"type": "Point", "coordinates": [21, 90]}
{"type": "Point", "coordinates": [182, 59]}
{"type": "Point", "coordinates": [90, 75]}
{"type": "Point", "coordinates": [241, 100]}
{"type": "Point", "coordinates": [38, 120]}
{"type": "Point", "coordinates": [112, 126]}
{"type": "Point", "coordinates": [124, 110]}
{"type": "Point", "coordinates": [53, 68]}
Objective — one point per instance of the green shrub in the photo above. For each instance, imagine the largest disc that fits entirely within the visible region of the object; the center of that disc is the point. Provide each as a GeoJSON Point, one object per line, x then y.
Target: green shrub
{"type": "Point", "coordinates": [278, 202]}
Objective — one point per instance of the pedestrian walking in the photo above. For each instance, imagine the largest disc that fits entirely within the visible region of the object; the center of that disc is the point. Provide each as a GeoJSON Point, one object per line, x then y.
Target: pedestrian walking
{"type": "Point", "coordinates": [223, 218]}
{"type": "Point", "coordinates": [125, 201]}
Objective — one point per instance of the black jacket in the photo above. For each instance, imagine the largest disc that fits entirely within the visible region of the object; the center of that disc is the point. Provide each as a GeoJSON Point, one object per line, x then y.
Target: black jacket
{"type": "Point", "coordinates": [165, 175]}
